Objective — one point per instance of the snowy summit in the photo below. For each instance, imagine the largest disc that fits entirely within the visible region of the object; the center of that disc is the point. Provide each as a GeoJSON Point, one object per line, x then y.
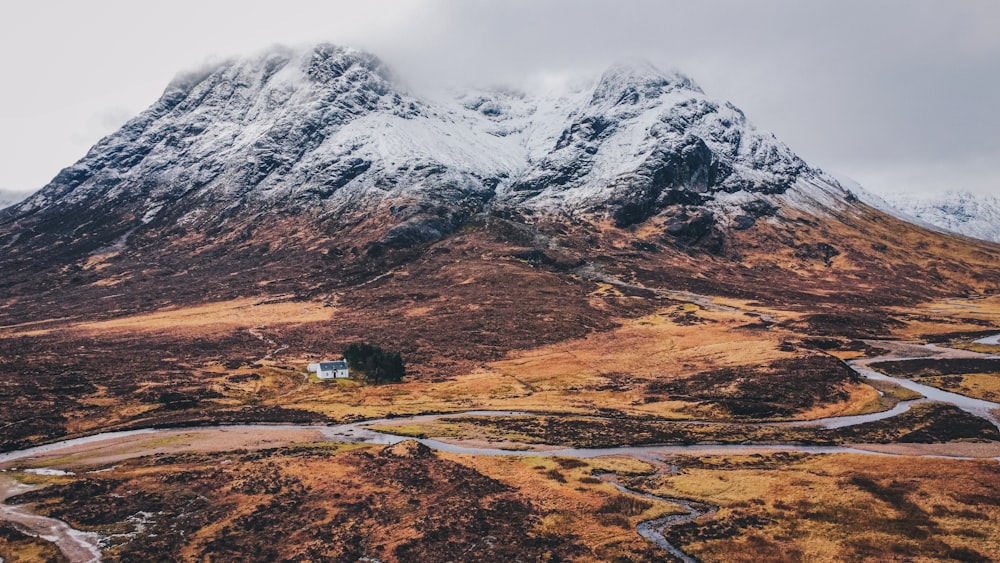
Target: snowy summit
{"type": "Point", "coordinates": [328, 130]}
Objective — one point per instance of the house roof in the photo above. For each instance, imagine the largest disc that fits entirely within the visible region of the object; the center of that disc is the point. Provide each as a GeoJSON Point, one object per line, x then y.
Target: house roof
{"type": "Point", "coordinates": [331, 366]}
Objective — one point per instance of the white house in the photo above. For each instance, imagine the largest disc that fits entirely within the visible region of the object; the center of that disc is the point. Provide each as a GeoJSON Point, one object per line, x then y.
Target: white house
{"type": "Point", "coordinates": [330, 370]}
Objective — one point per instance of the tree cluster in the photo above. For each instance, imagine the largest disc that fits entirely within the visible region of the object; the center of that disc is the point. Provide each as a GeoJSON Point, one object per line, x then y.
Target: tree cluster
{"type": "Point", "coordinates": [374, 365]}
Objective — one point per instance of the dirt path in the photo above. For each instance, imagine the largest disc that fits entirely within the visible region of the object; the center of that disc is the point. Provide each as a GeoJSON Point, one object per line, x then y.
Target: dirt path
{"type": "Point", "coordinates": [269, 343]}
{"type": "Point", "coordinates": [594, 272]}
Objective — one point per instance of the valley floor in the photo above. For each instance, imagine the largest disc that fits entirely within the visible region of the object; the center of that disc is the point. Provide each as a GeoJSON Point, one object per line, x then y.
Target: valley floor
{"type": "Point", "coordinates": [642, 478]}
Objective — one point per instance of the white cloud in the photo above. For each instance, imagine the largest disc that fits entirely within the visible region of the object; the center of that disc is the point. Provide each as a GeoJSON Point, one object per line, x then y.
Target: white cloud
{"type": "Point", "coordinates": [977, 174]}
{"type": "Point", "coordinates": [852, 85]}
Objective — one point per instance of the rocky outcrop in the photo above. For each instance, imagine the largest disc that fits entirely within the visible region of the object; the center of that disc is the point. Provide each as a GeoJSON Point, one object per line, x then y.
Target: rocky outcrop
{"type": "Point", "coordinates": [695, 229]}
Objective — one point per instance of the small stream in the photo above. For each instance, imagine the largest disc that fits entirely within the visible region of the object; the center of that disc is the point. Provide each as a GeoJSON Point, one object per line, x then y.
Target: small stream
{"type": "Point", "coordinates": [83, 547]}
{"type": "Point", "coordinates": [982, 409]}
{"type": "Point", "coordinates": [77, 546]}
{"type": "Point", "coordinates": [653, 529]}
{"type": "Point", "coordinates": [989, 340]}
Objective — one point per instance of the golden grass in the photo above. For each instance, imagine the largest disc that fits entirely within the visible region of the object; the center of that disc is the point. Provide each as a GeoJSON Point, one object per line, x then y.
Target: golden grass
{"type": "Point", "coordinates": [40, 480]}
{"type": "Point", "coordinates": [651, 347]}
{"type": "Point", "coordinates": [244, 312]}
{"type": "Point", "coordinates": [846, 507]}
{"type": "Point", "coordinates": [581, 504]}
{"type": "Point", "coordinates": [895, 390]}
{"type": "Point", "coordinates": [199, 320]}
{"type": "Point", "coordinates": [980, 348]}
{"type": "Point", "coordinates": [869, 400]}
{"type": "Point", "coordinates": [978, 385]}
{"type": "Point", "coordinates": [573, 376]}
{"type": "Point", "coordinates": [950, 315]}
{"type": "Point", "coordinates": [18, 329]}
{"type": "Point", "coordinates": [27, 548]}
{"type": "Point", "coordinates": [864, 399]}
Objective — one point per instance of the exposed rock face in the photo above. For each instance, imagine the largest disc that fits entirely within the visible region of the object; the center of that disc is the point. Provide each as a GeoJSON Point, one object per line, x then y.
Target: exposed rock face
{"type": "Point", "coordinates": [327, 135]}
{"type": "Point", "coordinates": [752, 211]}
{"type": "Point", "coordinates": [645, 140]}
{"type": "Point", "coordinates": [819, 251]}
{"type": "Point", "coordinates": [695, 228]}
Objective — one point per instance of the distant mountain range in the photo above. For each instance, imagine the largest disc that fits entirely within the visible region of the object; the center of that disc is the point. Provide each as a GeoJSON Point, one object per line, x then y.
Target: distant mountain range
{"type": "Point", "coordinates": [8, 197]}
{"type": "Point", "coordinates": [973, 215]}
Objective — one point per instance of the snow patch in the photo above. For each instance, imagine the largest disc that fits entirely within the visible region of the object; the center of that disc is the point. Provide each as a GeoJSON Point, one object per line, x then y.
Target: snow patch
{"type": "Point", "coordinates": [151, 214]}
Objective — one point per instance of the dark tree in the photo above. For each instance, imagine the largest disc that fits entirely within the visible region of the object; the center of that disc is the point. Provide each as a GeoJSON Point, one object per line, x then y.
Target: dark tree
{"type": "Point", "coordinates": [372, 364]}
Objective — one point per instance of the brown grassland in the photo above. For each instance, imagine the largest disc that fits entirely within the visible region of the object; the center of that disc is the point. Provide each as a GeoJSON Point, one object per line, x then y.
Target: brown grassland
{"type": "Point", "coordinates": [328, 501]}
{"type": "Point", "coordinates": [16, 546]}
{"type": "Point", "coordinates": [607, 336]}
{"type": "Point", "coordinates": [839, 508]}
{"type": "Point", "coordinates": [341, 503]}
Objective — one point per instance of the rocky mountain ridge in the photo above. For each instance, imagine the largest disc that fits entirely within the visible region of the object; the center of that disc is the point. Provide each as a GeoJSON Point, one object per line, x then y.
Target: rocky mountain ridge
{"type": "Point", "coordinates": [965, 213]}
{"type": "Point", "coordinates": [329, 132]}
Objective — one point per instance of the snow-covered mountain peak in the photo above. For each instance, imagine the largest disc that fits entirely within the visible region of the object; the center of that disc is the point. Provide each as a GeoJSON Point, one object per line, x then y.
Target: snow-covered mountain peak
{"type": "Point", "coordinates": [645, 140]}
{"type": "Point", "coordinates": [631, 82]}
{"type": "Point", "coordinates": [328, 129]}
{"type": "Point", "coordinates": [327, 61]}
{"type": "Point", "coordinates": [281, 78]}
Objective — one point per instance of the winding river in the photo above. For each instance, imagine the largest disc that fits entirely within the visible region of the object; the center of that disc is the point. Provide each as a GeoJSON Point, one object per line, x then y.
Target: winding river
{"type": "Point", "coordinates": [978, 407]}
{"type": "Point", "coordinates": [85, 547]}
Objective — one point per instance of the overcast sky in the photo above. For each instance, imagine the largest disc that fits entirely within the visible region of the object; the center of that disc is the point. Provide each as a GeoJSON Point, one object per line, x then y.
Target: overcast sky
{"type": "Point", "coordinates": [900, 95]}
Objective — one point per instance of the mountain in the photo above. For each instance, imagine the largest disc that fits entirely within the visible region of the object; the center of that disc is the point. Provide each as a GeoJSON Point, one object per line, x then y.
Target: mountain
{"type": "Point", "coordinates": [624, 261]}
{"type": "Point", "coordinates": [8, 197]}
{"type": "Point", "coordinates": [965, 213]}
{"type": "Point", "coordinates": [313, 173]}
{"type": "Point", "coordinates": [328, 131]}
